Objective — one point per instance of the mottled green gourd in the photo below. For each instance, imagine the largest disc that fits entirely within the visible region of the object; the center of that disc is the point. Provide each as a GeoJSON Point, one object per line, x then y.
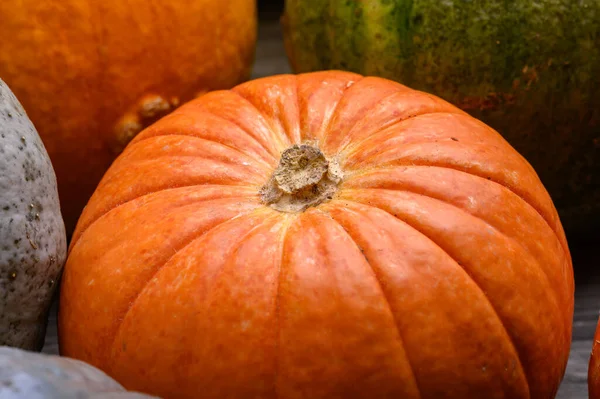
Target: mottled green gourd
{"type": "Point", "coordinates": [29, 375]}
{"type": "Point", "coordinates": [528, 68]}
{"type": "Point", "coordinates": [32, 232]}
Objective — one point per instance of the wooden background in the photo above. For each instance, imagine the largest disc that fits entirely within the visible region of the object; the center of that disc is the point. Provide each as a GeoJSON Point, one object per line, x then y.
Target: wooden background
{"type": "Point", "coordinates": [270, 60]}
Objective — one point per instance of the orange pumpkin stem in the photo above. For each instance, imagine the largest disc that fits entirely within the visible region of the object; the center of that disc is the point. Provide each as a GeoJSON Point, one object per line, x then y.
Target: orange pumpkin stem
{"type": "Point", "coordinates": [303, 178]}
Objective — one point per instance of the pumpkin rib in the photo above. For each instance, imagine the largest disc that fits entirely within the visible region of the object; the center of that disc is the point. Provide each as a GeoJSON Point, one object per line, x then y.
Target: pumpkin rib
{"type": "Point", "coordinates": [284, 235]}
{"type": "Point", "coordinates": [81, 230]}
{"type": "Point", "coordinates": [176, 147]}
{"type": "Point", "coordinates": [351, 148]}
{"type": "Point", "coordinates": [274, 135]}
{"type": "Point", "coordinates": [194, 111]}
{"type": "Point", "coordinates": [383, 295]}
{"type": "Point", "coordinates": [410, 163]}
{"type": "Point", "coordinates": [242, 89]}
{"type": "Point", "coordinates": [210, 295]}
{"type": "Point", "coordinates": [319, 94]}
{"type": "Point", "coordinates": [459, 266]}
{"type": "Point", "coordinates": [240, 182]}
{"type": "Point", "coordinates": [259, 162]}
{"type": "Point", "coordinates": [111, 186]}
{"type": "Point", "coordinates": [382, 99]}
{"type": "Point", "coordinates": [440, 127]}
{"type": "Point", "coordinates": [185, 245]}
{"type": "Point", "coordinates": [354, 185]}
{"type": "Point", "coordinates": [233, 122]}
{"type": "Point", "coordinates": [145, 251]}
{"type": "Point", "coordinates": [179, 156]}
{"type": "Point", "coordinates": [495, 228]}
{"type": "Point", "coordinates": [334, 113]}
{"type": "Point", "coordinates": [555, 295]}
{"type": "Point", "coordinates": [297, 97]}
{"type": "Point", "coordinates": [354, 214]}
{"type": "Point", "coordinates": [438, 106]}
{"type": "Point", "coordinates": [327, 284]}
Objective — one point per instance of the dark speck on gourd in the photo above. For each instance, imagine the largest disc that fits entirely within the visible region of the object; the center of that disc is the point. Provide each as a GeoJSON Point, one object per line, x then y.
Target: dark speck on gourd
{"type": "Point", "coordinates": [32, 233]}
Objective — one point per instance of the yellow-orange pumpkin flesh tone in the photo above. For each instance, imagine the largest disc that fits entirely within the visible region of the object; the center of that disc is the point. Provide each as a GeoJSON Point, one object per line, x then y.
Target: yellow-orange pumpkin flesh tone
{"type": "Point", "coordinates": [431, 264]}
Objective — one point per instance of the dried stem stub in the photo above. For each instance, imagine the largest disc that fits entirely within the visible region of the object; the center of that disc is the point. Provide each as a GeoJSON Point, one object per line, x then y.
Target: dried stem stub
{"type": "Point", "coordinates": [303, 178]}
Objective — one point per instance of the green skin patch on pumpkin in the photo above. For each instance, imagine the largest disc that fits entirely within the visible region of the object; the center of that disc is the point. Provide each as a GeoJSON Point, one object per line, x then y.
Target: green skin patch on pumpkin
{"type": "Point", "coordinates": [530, 69]}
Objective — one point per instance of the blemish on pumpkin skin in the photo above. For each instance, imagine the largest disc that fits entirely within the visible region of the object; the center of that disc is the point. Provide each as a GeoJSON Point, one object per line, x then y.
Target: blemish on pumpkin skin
{"type": "Point", "coordinates": [127, 128]}
{"type": "Point", "coordinates": [147, 111]}
{"type": "Point", "coordinates": [152, 107]}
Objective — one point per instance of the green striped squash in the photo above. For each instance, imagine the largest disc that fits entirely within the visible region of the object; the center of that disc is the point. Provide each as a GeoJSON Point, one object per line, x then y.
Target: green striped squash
{"type": "Point", "coordinates": [528, 68]}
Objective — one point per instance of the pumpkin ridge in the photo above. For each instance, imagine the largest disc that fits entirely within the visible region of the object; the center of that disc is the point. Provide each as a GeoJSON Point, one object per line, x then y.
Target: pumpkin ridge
{"type": "Point", "coordinates": [409, 163]}
{"type": "Point", "coordinates": [272, 151]}
{"type": "Point", "coordinates": [175, 149]}
{"type": "Point", "coordinates": [294, 86]}
{"type": "Point", "coordinates": [458, 265]}
{"type": "Point", "coordinates": [250, 177]}
{"type": "Point", "coordinates": [240, 182]}
{"type": "Point", "coordinates": [349, 182]}
{"type": "Point", "coordinates": [284, 236]}
{"type": "Point", "coordinates": [322, 90]}
{"type": "Point", "coordinates": [350, 175]}
{"type": "Point", "coordinates": [384, 126]}
{"type": "Point", "coordinates": [81, 230]}
{"type": "Point", "coordinates": [298, 107]}
{"type": "Point", "coordinates": [493, 227]}
{"type": "Point", "coordinates": [384, 296]}
{"type": "Point", "coordinates": [351, 148]}
{"type": "Point", "coordinates": [190, 241]}
{"type": "Point", "coordinates": [259, 162]}
{"type": "Point", "coordinates": [189, 112]}
{"type": "Point", "coordinates": [334, 112]}
{"type": "Point", "coordinates": [274, 135]}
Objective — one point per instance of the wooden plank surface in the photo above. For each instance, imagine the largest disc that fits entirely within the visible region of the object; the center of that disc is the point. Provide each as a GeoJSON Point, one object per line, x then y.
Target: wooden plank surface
{"type": "Point", "coordinates": [270, 60]}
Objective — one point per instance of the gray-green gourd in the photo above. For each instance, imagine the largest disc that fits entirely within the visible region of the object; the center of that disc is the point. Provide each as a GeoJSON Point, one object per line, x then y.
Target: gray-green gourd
{"type": "Point", "coordinates": [32, 232]}
{"type": "Point", "coordinates": [30, 375]}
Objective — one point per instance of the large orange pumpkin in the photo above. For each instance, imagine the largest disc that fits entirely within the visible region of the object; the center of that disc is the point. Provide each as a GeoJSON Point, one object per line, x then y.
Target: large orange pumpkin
{"type": "Point", "coordinates": [323, 235]}
{"type": "Point", "coordinates": [91, 74]}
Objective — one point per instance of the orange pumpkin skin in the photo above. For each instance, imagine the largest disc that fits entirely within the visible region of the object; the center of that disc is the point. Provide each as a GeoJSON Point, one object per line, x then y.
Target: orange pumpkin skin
{"type": "Point", "coordinates": [437, 268]}
{"type": "Point", "coordinates": [91, 74]}
{"type": "Point", "coordinates": [594, 367]}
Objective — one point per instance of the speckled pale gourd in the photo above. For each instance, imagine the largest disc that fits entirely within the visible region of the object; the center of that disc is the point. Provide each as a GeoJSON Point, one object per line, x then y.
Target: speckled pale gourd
{"type": "Point", "coordinates": [32, 231]}
{"type": "Point", "coordinates": [28, 375]}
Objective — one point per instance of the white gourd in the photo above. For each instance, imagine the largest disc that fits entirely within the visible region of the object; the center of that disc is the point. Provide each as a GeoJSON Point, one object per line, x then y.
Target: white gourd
{"type": "Point", "coordinates": [32, 232]}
